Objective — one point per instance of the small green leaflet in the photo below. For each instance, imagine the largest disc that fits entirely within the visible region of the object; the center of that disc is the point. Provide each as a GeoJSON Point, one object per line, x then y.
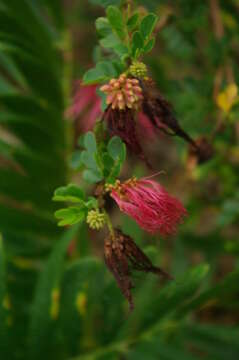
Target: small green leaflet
{"type": "Point", "coordinates": [133, 21]}
{"type": "Point", "coordinates": [116, 20]}
{"type": "Point", "coordinates": [103, 71]}
{"type": "Point", "coordinates": [117, 149]}
{"type": "Point", "coordinates": [71, 215]}
{"type": "Point", "coordinates": [147, 26]}
{"type": "Point", "coordinates": [71, 193]}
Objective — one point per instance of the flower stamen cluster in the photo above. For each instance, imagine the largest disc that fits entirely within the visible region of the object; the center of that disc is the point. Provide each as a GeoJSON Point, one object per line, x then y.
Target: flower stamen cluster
{"type": "Point", "coordinates": [119, 187]}
{"type": "Point", "coordinates": [123, 93]}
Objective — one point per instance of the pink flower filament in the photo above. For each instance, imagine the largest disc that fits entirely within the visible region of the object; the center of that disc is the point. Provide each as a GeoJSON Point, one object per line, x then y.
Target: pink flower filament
{"type": "Point", "coordinates": [150, 205]}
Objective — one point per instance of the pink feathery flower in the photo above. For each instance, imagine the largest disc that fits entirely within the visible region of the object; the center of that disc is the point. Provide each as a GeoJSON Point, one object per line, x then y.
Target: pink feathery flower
{"type": "Point", "coordinates": [149, 204]}
{"type": "Point", "coordinates": [87, 104]}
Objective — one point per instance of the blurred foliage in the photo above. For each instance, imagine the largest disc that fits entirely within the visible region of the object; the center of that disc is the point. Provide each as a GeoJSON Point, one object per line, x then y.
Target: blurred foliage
{"type": "Point", "coordinates": [56, 297]}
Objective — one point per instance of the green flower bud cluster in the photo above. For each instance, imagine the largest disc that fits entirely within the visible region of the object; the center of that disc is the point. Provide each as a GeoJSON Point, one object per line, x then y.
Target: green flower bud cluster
{"type": "Point", "coordinates": [95, 219]}
{"type": "Point", "coordinates": [138, 70]}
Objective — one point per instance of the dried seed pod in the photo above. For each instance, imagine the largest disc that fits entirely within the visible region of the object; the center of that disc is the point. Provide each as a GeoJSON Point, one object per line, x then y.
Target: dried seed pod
{"type": "Point", "coordinates": [122, 257]}
{"type": "Point", "coordinates": [122, 123]}
{"type": "Point", "coordinates": [160, 112]}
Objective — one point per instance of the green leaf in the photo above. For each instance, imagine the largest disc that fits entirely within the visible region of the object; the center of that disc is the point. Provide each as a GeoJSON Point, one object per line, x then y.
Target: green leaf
{"type": "Point", "coordinates": [20, 188]}
{"type": "Point", "coordinates": [154, 348]}
{"type": "Point", "coordinates": [219, 292]}
{"type": "Point", "coordinates": [34, 71]}
{"type": "Point", "coordinates": [122, 51]}
{"type": "Point", "coordinates": [90, 142]}
{"type": "Point", "coordinates": [19, 221]}
{"type": "Point", "coordinates": [133, 21]}
{"type": "Point", "coordinates": [108, 163]}
{"type": "Point", "coordinates": [103, 71]}
{"type": "Point", "coordinates": [229, 212]}
{"type": "Point", "coordinates": [34, 147]}
{"type": "Point", "coordinates": [165, 302]}
{"type": "Point", "coordinates": [4, 348]}
{"type": "Point", "coordinates": [71, 215]}
{"type": "Point", "coordinates": [10, 69]}
{"type": "Point", "coordinates": [147, 25]}
{"type": "Point", "coordinates": [56, 10]}
{"type": "Point", "coordinates": [70, 193]}
{"type": "Point", "coordinates": [103, 26]}
{"type": "Point", "coordinates": [114, 172]}
{"type": "Point", "coordinates": [88, 159]}
{"type": "Point", "coordinates": [106, 3]}
{"type": "Point", "coordinates": [92, 203]}
{"type": "Point", "coordinates": [149, 45]}
{"type": "Point", "coordinates": [42, 324]}
{"type": "Point", "coordinates": [116, 20]}
{"type": "Point", "coordinates": [78, 301]}
{"type": "Point", "coordinates": [75, 161]}
{"type": "Point", "coordinates": [92, 176]}
{"type": "Point", "coordinates": [6, 150]}
{"type": "Point", "coordinates": [110, 42]}
{"type": "Point", "coordinates": [219, 342]}
{"type": "Point", "coordinates": [117, 149]}
{"type": "Point", "coordinates": [137, 44]}
{"type": "Point", "coordinates": [32, 23]}
{"type": "Point", "coordinates": [108, 68]}
{"type": "Point", "coordinates": [94, 76]}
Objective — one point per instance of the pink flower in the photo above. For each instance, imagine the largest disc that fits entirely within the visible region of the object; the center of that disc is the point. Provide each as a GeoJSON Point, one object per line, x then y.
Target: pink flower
{"type": "Point", "coordinates": [149, 204]}
{"type": "Point", "coordinates": [86, 104]}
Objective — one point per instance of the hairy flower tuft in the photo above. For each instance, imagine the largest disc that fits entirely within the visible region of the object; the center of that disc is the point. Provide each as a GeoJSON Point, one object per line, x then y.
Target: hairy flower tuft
{"type": "Point", "coordinates": [122, 257]}
{"type": "Point", "coordinates": [95, 219]}
{"type": "Point", "coordinates": [138, 70]}
{"type": "Point", "coordinates": [123, 93]}
{"type": "Point", "coordinates": [150, 205]}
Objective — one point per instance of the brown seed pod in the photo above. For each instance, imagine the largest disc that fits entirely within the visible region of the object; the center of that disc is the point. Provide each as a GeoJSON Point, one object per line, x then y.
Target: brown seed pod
{"type": "Point", "coordinates": [122, 257]}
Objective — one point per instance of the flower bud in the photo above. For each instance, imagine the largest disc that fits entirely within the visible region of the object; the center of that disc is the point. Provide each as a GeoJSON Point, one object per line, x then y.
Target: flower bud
{"type": "Point", "coordinates": [123, 93]}
{"type": "Point", "coordinates": [95, 219]}
{"type": "Point", "coordinates": [138, 69]}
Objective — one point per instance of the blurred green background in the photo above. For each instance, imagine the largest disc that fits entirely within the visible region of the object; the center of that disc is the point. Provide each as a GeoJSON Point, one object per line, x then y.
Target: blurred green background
{"type": "Point", "coordinates": [57, 300]}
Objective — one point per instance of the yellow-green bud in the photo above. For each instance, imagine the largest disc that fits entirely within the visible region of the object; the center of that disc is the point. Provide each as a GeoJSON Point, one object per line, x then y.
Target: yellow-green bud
{"type": "Point", "coordinates": [95, 219]}
{"type": "Point", "coordinates": [138, 69]}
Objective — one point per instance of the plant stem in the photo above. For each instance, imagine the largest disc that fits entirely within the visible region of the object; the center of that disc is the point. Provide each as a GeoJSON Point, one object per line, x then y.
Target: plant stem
{"type": "Point", "coordinates": [109, 224]}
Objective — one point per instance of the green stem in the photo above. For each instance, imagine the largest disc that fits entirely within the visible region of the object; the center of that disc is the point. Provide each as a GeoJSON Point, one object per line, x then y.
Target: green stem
{"type": "Point", "coordinates": [109, 224]}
